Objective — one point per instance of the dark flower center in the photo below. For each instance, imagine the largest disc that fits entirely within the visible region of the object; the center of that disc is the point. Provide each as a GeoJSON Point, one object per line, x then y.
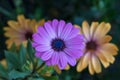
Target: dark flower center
{"type": "Point", "coordinates": [28, 35]}
{"type": "Point", "coordinates": [58, 45]}
{"type": "Point", "coordinates": [91, 45]}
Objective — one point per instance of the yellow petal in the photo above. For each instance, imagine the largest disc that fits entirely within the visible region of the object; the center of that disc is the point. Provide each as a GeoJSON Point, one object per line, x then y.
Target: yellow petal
{"type": "Point", "coordinates": [21, 19]}
{"type": "Point", "coordinates": [79, 65]}
{"type": "Point", "coordinates": [14, 40]}
{"type": "Point", "coordinates": [27, 24]}
{"type": "Point", "coordinates": [32, 25]}
{"type": "Point", "coordinates": [67, 67]}
{"type": "Point", "coordinates": [57, 69]}
{"type": "Point", "coordinates": [85, 60]}
{"type": "Point", "coordinates": [106, 29]}
{"type": "Point", "coordinates": [90, 68]}
{"type": "Point", "coordinates": [9, 43]}
{"type": "Point", "coordinates": [96, 64]}
{"type": "Point", "coordinates": [110, 48]}
{"type": "Point", "coordinates": [14, 25]}
{"type": "Point", "coordinates": [93, 28]}
{"type": "Point", "coordinates": [6, 28]}
{"type": "Point", "coordinates": [107, 55]}
{"type": "Point", "coordinates": [98, 31]}
{"type": "Point", "coordinates": [102, 59]}
{"type": "Point", "coordinates": [23, 23]}
{"type": "Point", "coordinates": [105, 39]}
{"type": "Point", "coordinates": [86, 30]}
{"type": "Point", "coordinates": [41, 22]}
{"type": "Point", "coordinates": [13, 35]}
{"type": "Point", "coordinates": [9, 29]}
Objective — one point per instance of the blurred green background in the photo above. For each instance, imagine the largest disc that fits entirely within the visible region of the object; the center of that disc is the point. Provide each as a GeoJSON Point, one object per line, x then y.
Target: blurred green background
{"type": "Point", "coordinates": [74, 11]}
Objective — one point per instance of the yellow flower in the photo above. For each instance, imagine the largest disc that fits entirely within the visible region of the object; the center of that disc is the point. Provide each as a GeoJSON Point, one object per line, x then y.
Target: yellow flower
{"type": "Point", "coordinates": [20, 31]}
{"type": "Point", "coordinates": [98, 49]}
{"type": "Point", "coordinates": [58, 70]}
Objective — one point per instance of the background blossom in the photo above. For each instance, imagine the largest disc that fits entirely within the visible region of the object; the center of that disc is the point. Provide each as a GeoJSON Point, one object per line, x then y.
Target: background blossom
{"type": "Point", "coordinates": [20, 31]}
{"type": "Point", "coordinates": [98, 49]}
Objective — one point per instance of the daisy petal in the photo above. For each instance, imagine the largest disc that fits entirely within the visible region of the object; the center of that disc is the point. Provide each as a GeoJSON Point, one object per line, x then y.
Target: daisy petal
{"type": "Point", "coordinates": [49, 30]}
{"type": "Point", "coordinates": [34, 44]}
{"type": "Point", "coordinates": [105, 30]}
{"type": "Point", "coordinates": [107, 55]}
{"type": "Point", "coordinates": [62, 61]}
{"type": "Point", "coordinates": [66, 31]}
{"type": "Point", "coordinates": [102, 59]}
{"type": "Point", "coordinates": [74, 32]}
{"type": "Point", "coordinates": [57, 69]}
{"type": "Point", "coordinates": [43, 33]}
{"type": "Point", "coordinates": [48, 62]}
{"type": "Point", "coordinates": [21, 20]}
{"type": "Point", "coordinates": [93, 28]}
{"type": "Point", "coordinates": [77, 41]}
{"type": "Point", "coordinates": [85, 60]}
{"type": "Point", "coordinates": [61, 26]}
{"type": "Point", "coordinates": [14, 25]}
{"type": "Point", "coordinates": [110, 48]}
{"type": "Point", "coordinates": [38, 54]}
{"type": "Point", "coordinates": [42, 48]}
{"type": "Point", "coordinates": [102, 31]}
{"type": "Point", "coordinates": [47, 55]}
{"type": "Point", "coordinates": [38, 39]}
{"type": "Point", "coordinates": [86, 30]}
{"type": "Point", "coordinates": [55, 58]}
{"type": "Point", "coordinates": [105, 39]}
{"type": "Point", "coordinates": [73, 52]}
{"type": "Point", "coordinates": [96, 64]}
{"type": "Point", "coordinates": [71, 61]}
{"type": "Point", "coordinates": [90, 67]}
{"type": "Point", "coordinates": [55, 24]}
{"type": "Point", "coordinates": [79, 65]}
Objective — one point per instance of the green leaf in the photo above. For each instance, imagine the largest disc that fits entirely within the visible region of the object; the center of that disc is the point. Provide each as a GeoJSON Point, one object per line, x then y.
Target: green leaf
{"type": "Point", "coordinates": [30, 51]}
{"type": "Point", "coordinates": [51, 78]}
{"type": "Point", "coordinates": [16, 74]}
{"type": "Point", "coordinates": [3, 71]}
{"type": "Point", "coordinates": [12, 58]}
{"type": "Point", "coordinates": [22, 55]}
{"type": "Point", "coordinates": [5, 12]}
{"type": "Point", "coordinates": [13, 48]}
{"type": "Point", "coordinates": [36, 79]}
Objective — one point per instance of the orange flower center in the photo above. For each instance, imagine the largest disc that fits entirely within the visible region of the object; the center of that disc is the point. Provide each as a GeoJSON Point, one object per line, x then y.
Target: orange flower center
{"type": "Point", "coordinates": [91, 45]}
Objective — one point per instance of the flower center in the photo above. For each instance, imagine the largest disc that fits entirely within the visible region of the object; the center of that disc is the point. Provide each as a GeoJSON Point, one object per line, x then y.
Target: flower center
{"type": "Point", "coordinates": [58, 45]}
{"type": "Point", "coordinates": [91, 45]}
{"type": "Point", "coordinates": [28, 35]}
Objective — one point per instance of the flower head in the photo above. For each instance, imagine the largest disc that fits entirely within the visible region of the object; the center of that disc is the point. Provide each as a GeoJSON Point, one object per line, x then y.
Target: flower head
{"type": "Point", "coordinates": [20, 31]}
{"type": "Point", "coordinates": [98, 49]}
{"type": "Point", "coordinates": [58, 43]}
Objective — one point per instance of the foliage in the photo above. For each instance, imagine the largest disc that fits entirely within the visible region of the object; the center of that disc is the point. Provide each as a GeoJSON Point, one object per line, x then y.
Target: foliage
{"type": "Point", "coordinates": [22, 65]}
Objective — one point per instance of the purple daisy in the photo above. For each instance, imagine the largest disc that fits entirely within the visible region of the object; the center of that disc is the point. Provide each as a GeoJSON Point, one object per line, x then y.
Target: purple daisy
{"type": "Point", "coordinates": [58, 43]}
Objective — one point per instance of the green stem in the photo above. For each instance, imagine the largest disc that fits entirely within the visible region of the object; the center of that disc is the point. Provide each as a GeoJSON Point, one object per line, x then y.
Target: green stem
{"type": "Point", "coordinates": [34, 66]}
{"type": "Point", "coordinates": [40, 66]}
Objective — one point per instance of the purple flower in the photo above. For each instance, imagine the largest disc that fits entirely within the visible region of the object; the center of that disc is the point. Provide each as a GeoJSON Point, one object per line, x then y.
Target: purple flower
{"type": "Point", "coordinates": [58, 43]}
